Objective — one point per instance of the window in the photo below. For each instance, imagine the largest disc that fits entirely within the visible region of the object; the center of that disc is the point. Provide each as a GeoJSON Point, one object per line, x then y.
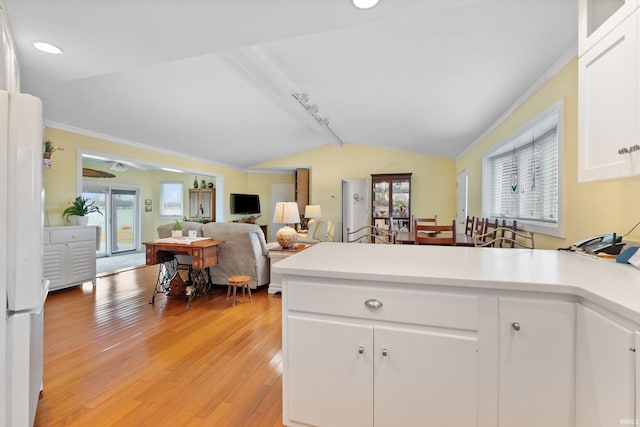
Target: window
{"type": "Point", "coordinates": [171, 197]}
{"type": "Point", "coordinates": [522, 175]}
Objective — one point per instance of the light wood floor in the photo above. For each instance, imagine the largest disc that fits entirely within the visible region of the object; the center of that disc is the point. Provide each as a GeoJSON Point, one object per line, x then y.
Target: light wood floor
{"type": "Point", "coordinates": [113, 359]}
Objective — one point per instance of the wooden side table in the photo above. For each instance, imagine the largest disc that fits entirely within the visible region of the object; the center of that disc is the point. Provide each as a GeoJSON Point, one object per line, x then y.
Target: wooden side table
{"type": "Point", "coordinates": [275, 255]}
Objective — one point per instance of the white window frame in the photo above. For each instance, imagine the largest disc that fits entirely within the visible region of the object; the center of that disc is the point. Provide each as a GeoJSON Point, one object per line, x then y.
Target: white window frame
{"type": "Point", "coordinates": [518, 139]}
{"type": "Point", "coordinates": [163, 196]}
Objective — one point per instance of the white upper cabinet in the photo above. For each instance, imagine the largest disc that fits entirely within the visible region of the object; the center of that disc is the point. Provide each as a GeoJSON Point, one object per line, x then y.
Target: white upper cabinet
{"type": "Point", "coordinates": [608, 106]}
{"type": "Point", "coordinates": [596, 18]}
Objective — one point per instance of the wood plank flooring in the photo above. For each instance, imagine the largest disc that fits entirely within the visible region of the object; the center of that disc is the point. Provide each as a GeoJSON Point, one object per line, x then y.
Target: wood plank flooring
{"type": "Point", "coordinates": [113, 359]}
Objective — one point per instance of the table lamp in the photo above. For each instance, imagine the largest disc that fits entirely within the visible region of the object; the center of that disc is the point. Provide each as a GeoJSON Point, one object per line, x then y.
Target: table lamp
{"type": "Point", "coordinates": [311, 212]}
{"type": "Point", "coordinates": [286, 213]}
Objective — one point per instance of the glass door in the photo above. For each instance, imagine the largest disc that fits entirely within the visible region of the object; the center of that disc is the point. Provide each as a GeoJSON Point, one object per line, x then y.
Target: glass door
{"type": "Point", "coordinates": [124, 206]}
{"type": "Point", "coordinates": [99, 196]}
{"type": "Point", "coordinates": [118, 224]}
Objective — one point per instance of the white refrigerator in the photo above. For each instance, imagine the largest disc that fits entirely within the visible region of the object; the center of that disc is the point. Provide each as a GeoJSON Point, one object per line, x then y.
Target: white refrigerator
{"type": "Point", "coordinates": [22, 288]}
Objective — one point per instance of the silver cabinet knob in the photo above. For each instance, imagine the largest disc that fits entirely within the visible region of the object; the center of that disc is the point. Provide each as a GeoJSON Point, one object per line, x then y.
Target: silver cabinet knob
{"type": "Point", "coordinates": [515, 326]}
{"type": "Point", "coordinates": [624, 150]}
{"type": "Point", "coordinates": [360, 350]}
{"type": "Point", "coordinates": [385, 352]}
{"type": "Point", "coordinates": [634, 148]}
{"type": "Point", "coordinates": [373, 303]}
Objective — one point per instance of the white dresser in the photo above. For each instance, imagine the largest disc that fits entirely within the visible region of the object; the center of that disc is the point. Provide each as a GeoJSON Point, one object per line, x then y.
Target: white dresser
{"type": "Point", "coordinates": [69, 255]}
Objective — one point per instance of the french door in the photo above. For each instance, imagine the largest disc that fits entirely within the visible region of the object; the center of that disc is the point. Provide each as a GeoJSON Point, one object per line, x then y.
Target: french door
{"type": "Point", "coordinates": [120, 220]}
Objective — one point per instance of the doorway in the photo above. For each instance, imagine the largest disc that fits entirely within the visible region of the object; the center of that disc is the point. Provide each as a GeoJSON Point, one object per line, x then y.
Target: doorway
{"type": "Point", "coordinates": [119, 223]}
{"type": "Point", "coordinates": [462, 199]}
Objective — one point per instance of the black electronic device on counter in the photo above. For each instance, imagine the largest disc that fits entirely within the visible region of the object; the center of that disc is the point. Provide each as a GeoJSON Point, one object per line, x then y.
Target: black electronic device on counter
{"type": "Point", "coordinates": [606, 243]}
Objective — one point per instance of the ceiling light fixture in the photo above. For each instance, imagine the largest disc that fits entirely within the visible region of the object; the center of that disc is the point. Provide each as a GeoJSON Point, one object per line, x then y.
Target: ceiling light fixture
{"type": "Point", "coordinates": [120, 167]}
{"type": "Point", "coordinates": [312, 109]}
{"type": "Point", "coordinates": [48, 48]}
{"type": "Point", "coordinates": [364, 4]}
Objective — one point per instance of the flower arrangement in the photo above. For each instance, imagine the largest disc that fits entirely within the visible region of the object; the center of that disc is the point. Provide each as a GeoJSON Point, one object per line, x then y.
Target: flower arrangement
{"type": "Point", "coordinates": [50, 148]}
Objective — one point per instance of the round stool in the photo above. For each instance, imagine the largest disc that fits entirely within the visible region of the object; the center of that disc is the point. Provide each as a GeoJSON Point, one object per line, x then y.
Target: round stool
{"type": "Point", "coordinates": [238, 280]}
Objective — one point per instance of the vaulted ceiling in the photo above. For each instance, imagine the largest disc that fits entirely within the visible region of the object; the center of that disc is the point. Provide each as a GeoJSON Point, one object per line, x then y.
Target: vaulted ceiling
{"type": "Point", "coordinates": [213, 79]}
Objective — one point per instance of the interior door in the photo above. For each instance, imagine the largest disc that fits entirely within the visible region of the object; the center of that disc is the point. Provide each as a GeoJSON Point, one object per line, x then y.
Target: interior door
{"type": "Point", "coordinates": [462, 199]}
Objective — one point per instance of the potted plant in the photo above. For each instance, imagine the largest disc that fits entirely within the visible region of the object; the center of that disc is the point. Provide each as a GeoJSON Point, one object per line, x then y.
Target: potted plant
{"type": "Point", "coordinates": [76, 214]}
{"type": "Point", "coordinates": [176, 232]}
{"type": "Point", "coordinates": [49, 149]}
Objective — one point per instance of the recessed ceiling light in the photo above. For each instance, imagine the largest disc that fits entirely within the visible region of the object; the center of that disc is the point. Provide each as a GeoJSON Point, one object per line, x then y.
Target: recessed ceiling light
{"type": "Point", "coordinates": [48, 48]}
{"type": "Point", "coordinates": [365, 4]}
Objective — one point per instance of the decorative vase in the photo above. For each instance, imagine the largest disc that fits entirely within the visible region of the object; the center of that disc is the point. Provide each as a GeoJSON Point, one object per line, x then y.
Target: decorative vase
{"type": "Point", "coordinates": [46, 160]}
{"type": "Point", "coordinates": [176, 234]}
{"type": "Point", "coordinates": [73, 219]}
{"type": "Point", "coordinates": [195, 183]}
{"type": "Point", "coordinates": [82, 220]}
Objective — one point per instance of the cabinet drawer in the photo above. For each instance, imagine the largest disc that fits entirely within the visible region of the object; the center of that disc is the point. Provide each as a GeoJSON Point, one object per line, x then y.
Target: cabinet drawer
{"type": "Point", "coordinates": [74, 234]}
{"type": "Point", "coordinates": [405, 306]}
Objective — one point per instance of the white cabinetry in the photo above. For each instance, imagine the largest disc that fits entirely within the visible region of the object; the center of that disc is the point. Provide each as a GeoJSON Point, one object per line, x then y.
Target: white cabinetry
{"type": "Point", "coordinates": [596, 18]}
{"type": "Point", "coordinates": [608, 75]}
{"type": "Point", "coordinates": [69, 256]}
{"type": "Point", "coordinates": [411, 361]}
{"type": "Point", "coordinates": [608, 115]}
{"type": "Point", "coordinates": [536, 363]}
{"type": "Point", "coordinates": [605, 371]}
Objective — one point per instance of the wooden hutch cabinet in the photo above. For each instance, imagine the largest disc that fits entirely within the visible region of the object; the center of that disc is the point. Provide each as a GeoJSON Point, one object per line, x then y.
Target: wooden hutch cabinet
{"type": "Point", "coordinates": [391, 201]}
{"type": "Point", "coordinates": [202, 204]}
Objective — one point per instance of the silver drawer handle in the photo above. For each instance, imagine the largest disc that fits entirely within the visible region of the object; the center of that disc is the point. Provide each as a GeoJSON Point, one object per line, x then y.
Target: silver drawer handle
{"type": "Point", "coordinates": [385, 352]}
{"type": "Point", "coordinates": [360, 350]}
{"type": "Point", "coordinates": [515, 326]}
{"type": "Point", "coordinates": [373, 303]}
{"type": "Point", "coordinates": [634, 148]}
{"type": "Point", "coordinates": [624, 150]}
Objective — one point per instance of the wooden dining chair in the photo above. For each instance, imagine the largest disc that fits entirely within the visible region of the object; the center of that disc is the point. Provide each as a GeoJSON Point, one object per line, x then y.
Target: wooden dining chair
{"type": "Point", "coordinates": [507, 234]}
{"type": "Point", "coordinates": [480, 226]}
{"type": "Point", "coordinates": [425, 220]}
{"type": "Point", "coordinates": [469, 225]}
{"type": "Point", "coordinates": [433, 234]}
{"type": "Point", "coordinates": [506, 237]}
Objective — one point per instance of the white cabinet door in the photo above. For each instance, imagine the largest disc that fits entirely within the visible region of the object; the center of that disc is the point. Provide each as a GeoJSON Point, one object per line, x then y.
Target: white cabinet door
{"type": "Point", "coordinates": [608, 111]}
{"type": "Point", "coordinates": [330, 372]}
{"type": "Point", "coordinates": [596, 18]}
{"type": "Point", "coordinates": [605, 371]}
{"type": "Point", "coordinates": [54, 266]}
{"type": "Point", "coordinates": [536, 363]}
{"type": "Point", "coordinates": [81, 258]}
{"type": "Point", "coordinates": [423, 378]}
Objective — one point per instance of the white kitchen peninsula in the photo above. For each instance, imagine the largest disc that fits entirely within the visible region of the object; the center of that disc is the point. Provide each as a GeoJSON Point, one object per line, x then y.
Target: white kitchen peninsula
{"type": "Point", "coordinates": [453, 336]}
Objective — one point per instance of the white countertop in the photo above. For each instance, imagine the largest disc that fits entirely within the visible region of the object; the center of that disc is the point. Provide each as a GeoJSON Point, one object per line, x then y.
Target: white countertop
{"type": "Point", "coordinates": [603, 281]}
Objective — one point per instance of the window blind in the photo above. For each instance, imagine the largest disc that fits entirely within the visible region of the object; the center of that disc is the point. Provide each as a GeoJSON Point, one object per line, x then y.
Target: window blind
{"type": "Point", "coordinates": [524, 180]}
{"type": "Point", "coordinates": [171, 197]}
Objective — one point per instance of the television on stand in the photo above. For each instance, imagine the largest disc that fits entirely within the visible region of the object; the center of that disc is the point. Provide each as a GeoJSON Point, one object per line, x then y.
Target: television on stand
{"type": "Point", "coordinates": [244, 204]}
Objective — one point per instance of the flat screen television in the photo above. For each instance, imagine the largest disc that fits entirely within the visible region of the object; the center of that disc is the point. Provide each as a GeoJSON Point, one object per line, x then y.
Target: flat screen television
{"type": "Point", "coordinates": [245, 203]}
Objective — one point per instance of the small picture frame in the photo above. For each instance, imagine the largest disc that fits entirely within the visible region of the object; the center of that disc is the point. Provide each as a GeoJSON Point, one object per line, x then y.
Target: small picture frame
{"type": "Point", "coordinates": [147, 202]}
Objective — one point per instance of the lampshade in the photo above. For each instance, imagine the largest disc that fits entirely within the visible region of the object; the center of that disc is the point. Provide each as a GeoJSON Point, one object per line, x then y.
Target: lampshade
{"type": "Point", "coordinates": [286, 213]}
{"type": "Point", "coordinates": [312, 211]}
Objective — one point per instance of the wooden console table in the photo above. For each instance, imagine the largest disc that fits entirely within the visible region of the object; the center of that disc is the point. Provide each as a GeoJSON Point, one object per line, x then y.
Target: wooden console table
{"type": "Point", "coordinates": [204, 253]}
